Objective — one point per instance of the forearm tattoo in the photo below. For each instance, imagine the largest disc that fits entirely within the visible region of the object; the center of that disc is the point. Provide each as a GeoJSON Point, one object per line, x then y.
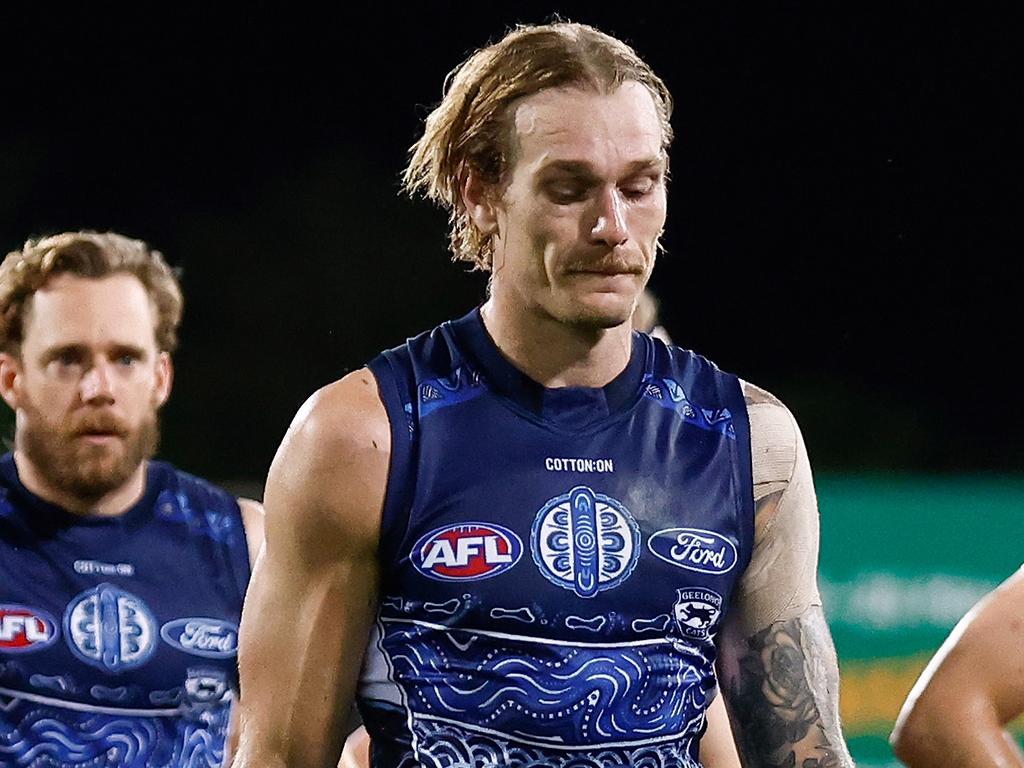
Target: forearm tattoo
{"type": "Point", "coordinates": [783, 692]}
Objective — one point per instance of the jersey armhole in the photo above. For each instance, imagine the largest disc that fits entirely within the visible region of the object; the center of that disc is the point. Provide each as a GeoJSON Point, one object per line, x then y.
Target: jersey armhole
{"type": "Point", "coordinates": [743, 472]}
{"type": "Point", "coordinates": [242, 565]}
{"type": "Point", "coordinates": [396, 392]}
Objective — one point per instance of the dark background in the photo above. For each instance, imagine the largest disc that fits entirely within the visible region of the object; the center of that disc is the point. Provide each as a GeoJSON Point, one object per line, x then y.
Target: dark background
{"type": "Point", "coordinates": [844, 220]}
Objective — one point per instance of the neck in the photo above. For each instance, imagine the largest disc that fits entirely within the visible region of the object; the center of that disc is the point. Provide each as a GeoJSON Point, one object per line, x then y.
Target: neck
{"type": "Point", "coordinates": [556, 354]}
{"type": "Point", "coordinates": [111, 504]}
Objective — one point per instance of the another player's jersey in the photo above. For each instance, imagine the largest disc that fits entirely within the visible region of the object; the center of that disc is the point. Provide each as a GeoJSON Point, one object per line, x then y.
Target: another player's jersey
{"type": "Point", "coordinates": [556, 563]}
{"type": "Point", "coordinates": [118, 635]}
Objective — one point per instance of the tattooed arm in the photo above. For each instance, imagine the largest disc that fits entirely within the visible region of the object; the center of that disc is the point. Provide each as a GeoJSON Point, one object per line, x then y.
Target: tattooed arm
{"type": "Point", "coordinates": [777, 664]}
{"type": "Point", "coordinates": [781, 687]}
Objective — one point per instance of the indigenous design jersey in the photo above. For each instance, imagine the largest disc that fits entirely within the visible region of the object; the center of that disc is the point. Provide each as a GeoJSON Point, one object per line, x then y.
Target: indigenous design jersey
{"type": "Point", "coordinates": [118, 635]}
{"type": "Point", "coordinates": [555, 562]}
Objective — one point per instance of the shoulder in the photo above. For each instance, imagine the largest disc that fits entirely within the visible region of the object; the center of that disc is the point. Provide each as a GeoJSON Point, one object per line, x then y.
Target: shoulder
{"type": "Point", "coordinates": [342, 421]}
{"type": "Point", "coordinates": [781, 581]}
{"type": "Point", "coordinates": [775, 440]}
{"type": "Point", "coordinates": [330, 471]}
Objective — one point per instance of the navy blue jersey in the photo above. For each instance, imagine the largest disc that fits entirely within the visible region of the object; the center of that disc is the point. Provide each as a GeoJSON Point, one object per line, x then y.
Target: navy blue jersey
{"type": "Point", "coordinates": [118, 635]}
{"type": "Point", "coordinates": [555, 563]}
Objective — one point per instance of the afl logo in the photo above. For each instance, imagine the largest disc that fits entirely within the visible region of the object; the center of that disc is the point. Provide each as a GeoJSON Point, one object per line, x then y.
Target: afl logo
{"type": "Point", "coordinates": [694, 549]}
{"type": "Point", "coordinates": [212, 638]}
{"type": "Point", "coordinates": [585, 542]}
{"type": "Point", "coordinates": [467, 552]}
{"type": "Point", "coordinates": [24, 629]}
{"type": "Point", "coordinates": [109, 628]}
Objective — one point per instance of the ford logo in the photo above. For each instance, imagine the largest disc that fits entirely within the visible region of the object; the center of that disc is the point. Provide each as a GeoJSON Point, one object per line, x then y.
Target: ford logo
{"type": "Point", "coordinates": [211, 638]}
{"type": "Point", "coordinates": [694, 549]}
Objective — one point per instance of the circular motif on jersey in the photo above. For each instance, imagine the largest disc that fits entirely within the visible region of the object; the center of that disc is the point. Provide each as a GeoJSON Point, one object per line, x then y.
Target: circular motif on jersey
{"type": "Point", "coordinates": [585, 542]}
{"type": "Point", "coordinates": [109, 628]}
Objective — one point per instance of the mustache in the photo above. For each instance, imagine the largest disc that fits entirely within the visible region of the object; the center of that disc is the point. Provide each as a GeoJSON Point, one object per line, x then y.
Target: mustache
{"type": "Point", "coordinates": [610, 264]}
{"type": "Point", "coordinates": [100, 423]}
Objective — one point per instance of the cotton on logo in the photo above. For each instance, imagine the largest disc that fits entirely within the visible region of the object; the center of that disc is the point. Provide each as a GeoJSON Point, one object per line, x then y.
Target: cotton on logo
{"type": "Point", "coordinates": [467, 552]}
{"type": "Point", "coordinates": [25, 629]}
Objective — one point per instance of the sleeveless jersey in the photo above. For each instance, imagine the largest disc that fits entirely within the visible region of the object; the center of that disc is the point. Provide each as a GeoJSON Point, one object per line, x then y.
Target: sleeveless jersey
{"type": "Point", "coordinates": [555, 563]}
{"type": "Point", "coordinates": [118, 635]}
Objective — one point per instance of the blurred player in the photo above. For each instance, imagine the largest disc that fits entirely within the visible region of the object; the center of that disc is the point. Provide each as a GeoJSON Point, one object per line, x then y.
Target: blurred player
{"type": "Point", "coordinates": [121, 578]}
{"type": "Point", "coordinates": [957, 712]}
{"type": "Point", "coordinates": [646, 316]}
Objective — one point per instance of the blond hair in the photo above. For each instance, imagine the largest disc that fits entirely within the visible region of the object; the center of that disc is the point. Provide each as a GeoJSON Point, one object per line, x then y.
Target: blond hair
{"type": "Point", "coordinates": [470, 129]}
{"type": "Point", "coordinates": [86, 254]}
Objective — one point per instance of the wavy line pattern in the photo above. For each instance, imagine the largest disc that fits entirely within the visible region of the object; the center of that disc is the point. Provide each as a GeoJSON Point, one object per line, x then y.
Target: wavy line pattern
{"type": "Point", "coordinates": [40, 735]}
{"type": "Point", "coordinates": [536, 692]}
{"type": "Point", "coordinates": [451, 747]}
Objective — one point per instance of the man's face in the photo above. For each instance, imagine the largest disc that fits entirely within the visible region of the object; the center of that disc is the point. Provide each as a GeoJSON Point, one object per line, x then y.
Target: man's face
{"type": "Point", "coordinates": [578, 223]}
{"type": "Point", "coordinates": [87, 383]}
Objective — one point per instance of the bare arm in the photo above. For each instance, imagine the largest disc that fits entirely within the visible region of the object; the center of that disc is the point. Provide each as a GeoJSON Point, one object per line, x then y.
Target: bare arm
{"type": "Point", "coordinates": [252, 522]}
{"type": "Point", "coordinates": [778, 666]}
{"type": "Point", "coordinates": [957, 710]}
{"type": "Point", "coordinates": [313, 594]}
{"type": "Point", "coordinates": [717, 748]}
{"type": "Point", "coordinates": [357, 750]}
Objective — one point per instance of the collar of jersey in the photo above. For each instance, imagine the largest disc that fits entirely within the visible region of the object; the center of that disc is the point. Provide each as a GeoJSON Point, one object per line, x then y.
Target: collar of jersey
{"type": "Point", "coordinates": [47, 514]}
{"type": "Point", "coordinates": [570, 408]}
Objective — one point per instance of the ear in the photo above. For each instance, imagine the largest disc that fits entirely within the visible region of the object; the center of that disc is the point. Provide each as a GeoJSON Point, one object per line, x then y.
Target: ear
{"type": "Point", "coordinates": [164, 378]}
{"type": "Point", "coordinates": [479, 202]}
{"type": "Point", "coordinates": [10, 379]}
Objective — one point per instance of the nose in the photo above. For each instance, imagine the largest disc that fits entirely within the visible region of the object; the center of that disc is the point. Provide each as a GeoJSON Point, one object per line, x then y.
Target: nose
{"type": "Point", "coordinates": [97, 383]}
{"type": "Point", "coordinates": [610, 224]}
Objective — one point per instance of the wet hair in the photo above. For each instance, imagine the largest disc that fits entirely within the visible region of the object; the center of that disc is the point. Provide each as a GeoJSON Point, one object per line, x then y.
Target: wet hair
{"type": "Point", "coordinates": [472, 129]}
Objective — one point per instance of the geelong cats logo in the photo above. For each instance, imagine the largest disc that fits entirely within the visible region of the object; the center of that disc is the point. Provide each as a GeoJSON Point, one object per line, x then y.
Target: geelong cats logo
{"type": "Point", "coordinates": [694, 549]}
{"type": "Point", "coordinates": [696, 612]}
{"type": "Point", "coordinates": [467, 552]}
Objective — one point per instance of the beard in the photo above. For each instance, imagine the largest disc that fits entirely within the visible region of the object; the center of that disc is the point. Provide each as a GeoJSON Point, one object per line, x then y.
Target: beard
{"type": "Point", "coordinates": [86, 471]}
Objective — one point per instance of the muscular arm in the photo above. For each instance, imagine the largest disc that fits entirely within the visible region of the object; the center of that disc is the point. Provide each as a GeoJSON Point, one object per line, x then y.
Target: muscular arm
{"type": "Point", "coordinates": [778, 666]}
{"type": "Point", "coordinates": [957, 710]}
{"type": "Point", "coordinates": [312, 597]}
